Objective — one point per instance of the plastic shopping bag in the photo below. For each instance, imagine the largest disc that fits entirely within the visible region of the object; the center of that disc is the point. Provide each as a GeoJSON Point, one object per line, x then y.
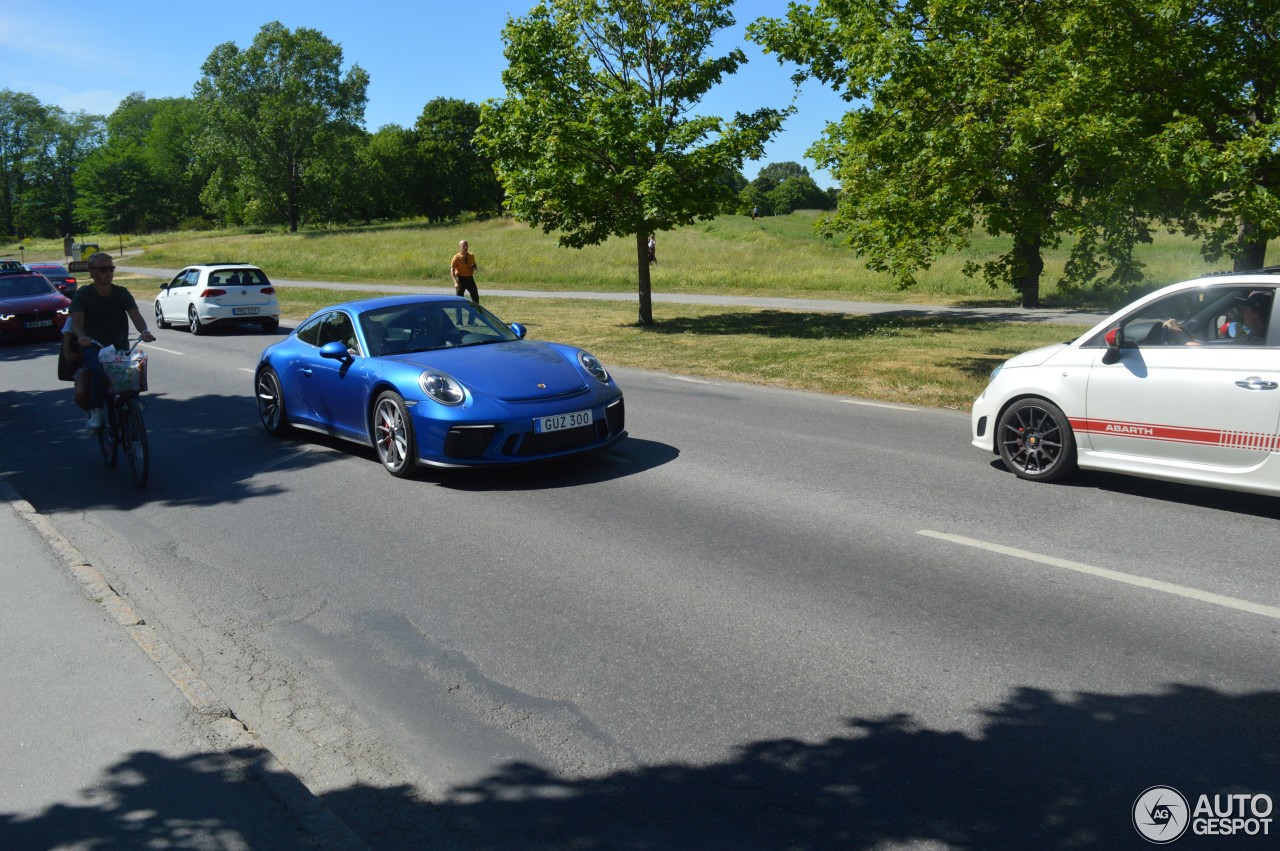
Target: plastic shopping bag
{"type": "Point", "coordinates": [126, 370]}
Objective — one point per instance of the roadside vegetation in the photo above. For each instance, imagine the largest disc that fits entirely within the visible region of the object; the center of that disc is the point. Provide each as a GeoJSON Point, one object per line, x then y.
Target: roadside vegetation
{"type": "Point", "coordinates": [930, 361]}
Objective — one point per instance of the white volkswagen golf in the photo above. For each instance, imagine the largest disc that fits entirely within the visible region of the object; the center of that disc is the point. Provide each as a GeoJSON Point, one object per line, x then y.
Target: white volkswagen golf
{"type": "Point", "coordinates": [1181, 385]}
{"type": "Point", "coordinates": [209, 294]}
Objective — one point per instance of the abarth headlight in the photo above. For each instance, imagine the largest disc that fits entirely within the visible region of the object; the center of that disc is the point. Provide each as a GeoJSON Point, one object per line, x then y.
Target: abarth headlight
{"type": "Point", "coordinates": [593, 366]}
{"type": "Point", "coordinates": [442, 388]}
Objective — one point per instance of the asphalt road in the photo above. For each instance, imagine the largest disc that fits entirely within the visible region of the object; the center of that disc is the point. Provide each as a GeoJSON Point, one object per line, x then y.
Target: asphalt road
{"type": "Point", "coordinates": [766, 619]}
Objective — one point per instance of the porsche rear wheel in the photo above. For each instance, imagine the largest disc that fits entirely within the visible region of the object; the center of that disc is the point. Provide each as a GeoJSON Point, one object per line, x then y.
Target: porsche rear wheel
{"type": "Point", "coordinates": [1035, 440]}
{"type": "Point", "coordinates": [393, 435]}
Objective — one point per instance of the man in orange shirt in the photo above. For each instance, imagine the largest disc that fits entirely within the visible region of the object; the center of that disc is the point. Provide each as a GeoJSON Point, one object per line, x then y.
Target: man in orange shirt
{"type": "Point", "coordinates": [463, 270]}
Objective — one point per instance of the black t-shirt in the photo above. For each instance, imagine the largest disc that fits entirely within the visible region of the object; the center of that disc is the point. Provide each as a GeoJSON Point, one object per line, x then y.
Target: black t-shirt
{"type": "Point", "coordinates": [106, 318]}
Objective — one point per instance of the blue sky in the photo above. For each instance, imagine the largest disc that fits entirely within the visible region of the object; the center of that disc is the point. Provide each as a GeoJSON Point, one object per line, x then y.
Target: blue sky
{"type": "Point", "coordinates": [89, 56]}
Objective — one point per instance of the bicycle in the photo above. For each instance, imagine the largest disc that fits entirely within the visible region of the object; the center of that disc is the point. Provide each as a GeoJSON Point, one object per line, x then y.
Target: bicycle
{"type": "Point", "coordinates": [123, 427]}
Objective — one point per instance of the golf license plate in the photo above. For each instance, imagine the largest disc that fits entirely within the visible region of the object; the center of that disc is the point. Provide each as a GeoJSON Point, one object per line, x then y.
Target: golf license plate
{"type": "Point", "coordinates": [560, 422]}
{"type": "Point", "coordinates": [244, 311]}
{"type": "Point", "coordinates": [39, 323]}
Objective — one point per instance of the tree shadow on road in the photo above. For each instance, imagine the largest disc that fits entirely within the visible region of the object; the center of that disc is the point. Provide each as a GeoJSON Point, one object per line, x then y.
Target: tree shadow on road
{"type": "Point", "coordinates": [1042, 772]}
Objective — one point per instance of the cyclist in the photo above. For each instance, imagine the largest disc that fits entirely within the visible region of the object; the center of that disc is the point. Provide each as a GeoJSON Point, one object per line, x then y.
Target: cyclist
{"type": "Point", "coordinates": [98, 318]}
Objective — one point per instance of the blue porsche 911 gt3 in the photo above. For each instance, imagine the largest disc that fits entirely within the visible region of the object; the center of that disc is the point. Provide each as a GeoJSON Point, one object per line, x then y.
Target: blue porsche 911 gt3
{"type": "Point", "coordinates": [439, 381]}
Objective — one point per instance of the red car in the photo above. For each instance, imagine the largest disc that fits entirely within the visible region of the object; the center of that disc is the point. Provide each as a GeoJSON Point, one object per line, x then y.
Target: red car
{"type": "Point", "coordinates": [30, 307]}
{"type": "Point", "coordinates": [57, 275]}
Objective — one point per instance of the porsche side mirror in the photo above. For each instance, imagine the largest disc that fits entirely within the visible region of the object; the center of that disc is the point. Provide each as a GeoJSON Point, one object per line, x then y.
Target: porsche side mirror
{"type": "Point", "coordinates": [334, 350]}
{"type": "Point", "coordinates": [519, 330]}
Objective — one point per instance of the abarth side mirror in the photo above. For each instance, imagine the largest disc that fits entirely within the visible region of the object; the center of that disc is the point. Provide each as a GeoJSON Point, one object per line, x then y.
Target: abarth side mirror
{"type": "Point", "coordinates": [1115, 341]}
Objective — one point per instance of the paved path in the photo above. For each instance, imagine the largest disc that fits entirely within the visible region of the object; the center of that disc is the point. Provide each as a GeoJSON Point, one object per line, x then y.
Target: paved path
{"type": "Point", "coordinates": [1017, 314]}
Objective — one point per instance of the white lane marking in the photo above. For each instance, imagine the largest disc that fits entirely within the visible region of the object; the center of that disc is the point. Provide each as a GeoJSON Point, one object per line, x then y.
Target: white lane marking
{"type": "Point", "coordinates": [691, 380]}
{"type": "Point", "coordinates": [246, 369]}
{"type": "Point", "coordinates": [877, 405]}
{"type": "Point", "coordinates": [1113, 575]}
{"type": "Point", "coordinates": [152, 347]}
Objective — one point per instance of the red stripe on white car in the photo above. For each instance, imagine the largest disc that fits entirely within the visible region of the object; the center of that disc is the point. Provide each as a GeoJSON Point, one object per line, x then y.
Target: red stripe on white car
{"type": "Point", "coordinates": [1267, 442]}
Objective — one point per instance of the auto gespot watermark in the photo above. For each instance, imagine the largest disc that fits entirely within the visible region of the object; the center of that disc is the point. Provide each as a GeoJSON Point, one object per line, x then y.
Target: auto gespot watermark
{"type": "Point", "coordinates": [1162, 814]}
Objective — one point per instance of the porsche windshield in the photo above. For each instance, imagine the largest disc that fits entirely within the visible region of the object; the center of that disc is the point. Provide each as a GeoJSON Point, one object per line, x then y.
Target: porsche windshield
{"type": "Point", "coordinates": [422, 326]}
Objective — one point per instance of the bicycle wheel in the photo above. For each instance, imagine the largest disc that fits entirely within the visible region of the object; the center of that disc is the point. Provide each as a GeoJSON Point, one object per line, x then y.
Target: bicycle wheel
{"type": "Point", "coordinates": [133, 437]}
{"type": "Point", "coordinates": [107, 434]}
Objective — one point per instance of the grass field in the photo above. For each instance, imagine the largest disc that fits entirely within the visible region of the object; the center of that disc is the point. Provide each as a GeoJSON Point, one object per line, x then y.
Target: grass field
{"type": "Point", "coordinates": [731, 255]}
{"type": "Point", "coordinates": [932, 362]}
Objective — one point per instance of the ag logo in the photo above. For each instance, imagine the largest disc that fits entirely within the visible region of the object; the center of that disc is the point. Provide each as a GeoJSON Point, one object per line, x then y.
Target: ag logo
{"type": "Point", "coordinates": [1161, 814]}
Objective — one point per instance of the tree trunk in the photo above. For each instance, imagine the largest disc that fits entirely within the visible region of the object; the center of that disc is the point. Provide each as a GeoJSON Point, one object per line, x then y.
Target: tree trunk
{"type": "Point", "coordinates": [1027, 267]}
{"type": "Point", "coordinates": [1252, 248]}
{"type": "Point", "coordinates": [646, 294]}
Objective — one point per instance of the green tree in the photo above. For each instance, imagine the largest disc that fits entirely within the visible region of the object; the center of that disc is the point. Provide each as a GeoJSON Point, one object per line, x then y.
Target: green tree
{"type": "Point", "coordinates": [393, 173]}
{"type": "Point", "coordinates": [1221, 145]}
{"type": "Point", "coordinates": [144, 176]}
{"type": "Point", "coordinates": [48, 207]}
{"type": "Point", "coordinates": [458, 176]}
{"type": "Point", "coordinates": [753, 200]}
{"type": "Point", "coordinates": [596, 136]}
{"type": "Point", "coordinates": [797, 193]}
{"type": "Point", "coordinates": [172, 144]}
{"type": "Point", "coordinates": [1026, 119]}
{"type": "Point", "coordinates": [735, 183]}
{"type": "Point", "coordinates": [772, 175]}
{"type": "Point", "coordinates": [782, 188]}
{"type": "Point", "coordinates": [277, 113]}
{"type": "Point", "coordinates": [113, 186]}
{"type": "Point", "coordinates": [22, 129]}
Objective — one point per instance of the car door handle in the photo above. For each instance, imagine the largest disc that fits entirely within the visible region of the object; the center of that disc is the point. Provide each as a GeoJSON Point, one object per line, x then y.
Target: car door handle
{"type": "Point", "coordinates": [306, 370]}
{"type": "Point", "coordinates": [1253, 382]}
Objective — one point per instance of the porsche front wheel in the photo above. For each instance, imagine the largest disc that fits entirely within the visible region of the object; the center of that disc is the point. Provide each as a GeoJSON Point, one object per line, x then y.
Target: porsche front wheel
{"type": "Point", "coordinates": [393, 435]}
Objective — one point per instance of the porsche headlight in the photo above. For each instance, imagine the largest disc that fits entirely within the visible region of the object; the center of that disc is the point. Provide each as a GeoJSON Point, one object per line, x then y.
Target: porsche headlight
{"type": "Point", "coordinates": [994, 373]}
{"type": "Point", "coordinates": [442, 388]}
{"type": "Point", "coordinates": [593, 366]}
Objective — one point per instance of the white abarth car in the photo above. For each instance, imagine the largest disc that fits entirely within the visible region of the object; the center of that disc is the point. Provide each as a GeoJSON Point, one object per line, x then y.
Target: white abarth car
{"type": "Point", "coordinates": [209, 294]}
{"type": "Point", "coordinates": [1182, 385]}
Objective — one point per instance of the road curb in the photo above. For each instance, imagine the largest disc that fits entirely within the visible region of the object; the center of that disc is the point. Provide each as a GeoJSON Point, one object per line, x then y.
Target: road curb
{"type": "Point", "coordinates": [329, 831]}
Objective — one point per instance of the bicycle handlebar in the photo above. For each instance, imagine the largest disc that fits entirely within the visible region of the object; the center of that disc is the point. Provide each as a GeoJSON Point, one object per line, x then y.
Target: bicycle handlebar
{"type": "Point", "coordinates": [132, 346]}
